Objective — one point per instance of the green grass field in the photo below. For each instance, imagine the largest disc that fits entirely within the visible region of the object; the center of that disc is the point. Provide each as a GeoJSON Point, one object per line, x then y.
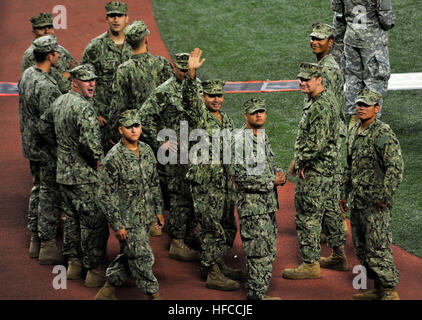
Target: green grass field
{"type": "Point", "coordinates": [259, 40]}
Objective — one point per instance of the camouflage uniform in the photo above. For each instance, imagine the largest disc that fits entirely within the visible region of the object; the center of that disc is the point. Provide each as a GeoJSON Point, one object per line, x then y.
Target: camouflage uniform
{"type": "Point", "coordinates": [136, 78]}
{"type": "Point", "coordinates": [65, 60]}
{"type": "Point", "coordinates": [316, 151]}
{"type": "Point", "coordinates": [129, 195]}
{"type": "Point", "coordinates": [366, 47]}
{"type": "Point", "coordinates": [164, 110]}
{"type": "Point", "coordinates": [256, 202]}
{"type": "Point", "coordinates": [37, 91]}
{"type": "Point", "coordinates": [78, 150]}
{"type": "Point", "coordinates": [339, 24]}
{"type": "Point", "coordinates": [211, 184]}
{"type": "Point", "coordinates": [105, 56]}
{"type": "Point", "coordinates": [374, 172]}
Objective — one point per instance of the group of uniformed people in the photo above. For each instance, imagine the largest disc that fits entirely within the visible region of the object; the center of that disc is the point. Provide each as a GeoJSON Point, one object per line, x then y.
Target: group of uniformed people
{"type": "Point", "coordinates": [93, 135]}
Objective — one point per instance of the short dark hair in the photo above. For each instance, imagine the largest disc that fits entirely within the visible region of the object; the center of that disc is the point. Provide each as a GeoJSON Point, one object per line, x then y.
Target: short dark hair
{"type": "Point", "coordinates": [41, 56]}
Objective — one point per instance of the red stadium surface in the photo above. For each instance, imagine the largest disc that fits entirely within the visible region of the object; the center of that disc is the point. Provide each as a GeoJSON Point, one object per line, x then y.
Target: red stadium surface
{"type": "Point", "coordinates": [23, 278]}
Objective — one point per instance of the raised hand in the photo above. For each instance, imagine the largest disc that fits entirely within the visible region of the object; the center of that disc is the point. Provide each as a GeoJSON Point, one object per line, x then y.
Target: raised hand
{"type": "Point", "coordinates": [195, 62]}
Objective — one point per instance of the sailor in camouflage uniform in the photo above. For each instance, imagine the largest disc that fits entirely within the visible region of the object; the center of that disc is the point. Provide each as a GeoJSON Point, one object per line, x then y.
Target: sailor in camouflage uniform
{"type": "Point", "coordinates": [42, 24]}
{"type": "Point", "coordinates": [79, 153]}
{"type": "Point", "coordinates": [339, 24]}
{"type": "Point", "coordinates": [37, 91]}
{"type": "Point", "coordinates": [130, 197]}
{"type": "Point", "coordinates": [373, 173]}
{"type": "Point", "coordinates": [366, 47]}
{"type": "Point", "coordinates": [211, 184]}
{"type": "Point", "coordinates": [164, 110]}
{"type": "Point", "coordinates": [316, 150]}
{"type": "Point", "coordinates": [256, 198]}
{"type": "Point", "coordinates": [333, 81]}
{"type": "Point", "coordinates": [106, 52]}
{"type": "Point", "coordinates": [136, 78]}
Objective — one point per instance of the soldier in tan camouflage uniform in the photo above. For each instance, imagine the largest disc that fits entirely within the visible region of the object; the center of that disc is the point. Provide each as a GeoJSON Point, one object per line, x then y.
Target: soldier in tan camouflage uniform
{"type": "Point", "coordinates": [106, 52]}
{"type": "Point", "coordinates": [256, 198]}
{"type": "Point", "coordinates": [316, 150]}
{"type": "Point", "coordinates": [130, 197]}
{"type": "Point", "coordinates": [42, 24]}
{"type": "Point", "coordinates": [211, 184]}
{"type": "Point", "coordinates": [373, 173]}
{"type": "Point", "coordinates": [79, 153]}
{"type": "Point", "coordinates": [164, 109]}
{"type": "Point", "coordinates": [37, 91]}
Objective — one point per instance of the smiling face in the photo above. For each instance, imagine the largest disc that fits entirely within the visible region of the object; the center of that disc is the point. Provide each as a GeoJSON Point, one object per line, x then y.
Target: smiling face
{"type": "Point", "coordinates": [310, 86]}
{"type": "Point", "coordinates": [321, 46]}
{"type": "Point", "coordinates": [213, 102]}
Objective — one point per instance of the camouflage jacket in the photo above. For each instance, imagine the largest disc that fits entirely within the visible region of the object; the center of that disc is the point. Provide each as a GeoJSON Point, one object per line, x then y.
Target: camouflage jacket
{"type": "Point", "coordinates": [65, 60]}
{"type": "Point", "coordinates": [105, 56]}
{"type": "Point", "coordinates": [374, 167]}
{"type": "Point", "coordinates": [78, 139]}
{"type": "Point", "coordinates": [215, 173]}
{"type": "Point", "coordinates": [333, 81]}
{"type": "Point", "coordinates": [368, 22]}
{"type": "Point", "coordinates": [256, 192]}
{"type": "Point", "coordinates": [129, 190]}
{"type": "Point", "coordinates": [37, 91]}
{"type": "Point", "coordinates": [134, 81]}
{"type": "Point", "coordinates": [317, 142]}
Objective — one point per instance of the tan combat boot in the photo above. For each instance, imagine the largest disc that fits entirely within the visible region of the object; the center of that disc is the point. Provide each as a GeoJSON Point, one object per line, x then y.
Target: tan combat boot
{"type": "Point", "coordinates": [49, 253]}
{"type": "Point", "coordinates": [154, 231]}
{"type": "Point", "coordinates": [304, 271]}
{"type": "Point", "coordinates": [153, 296]}
{"type": "Point", "coordinates": [34, 246]}
{"type": "Point", "coordinates": [106, 292]}
{"type": "Point", "coordinates": [180, 251]}
{"type": "Point", "coordinates": [373, 294]}
{"type": "Point", "coordinates": [217, 281]}
{"type": "Point", "coordinates": [74, 269]}
{"type": "Point", "coordinates": [95, 277]}
{"type": "Point", "coordinates": [229, 272]}
{"type": "Point", "coordinates": [389, 294]}
{"type": "Point", "coordinates": [337, 260]}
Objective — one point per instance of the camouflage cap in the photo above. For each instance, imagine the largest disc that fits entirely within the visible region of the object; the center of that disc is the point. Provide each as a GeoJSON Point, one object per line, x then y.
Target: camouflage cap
{"type": "Point", "coordinates": [116, 7]}
{"type": "Point", "coordinates": [83, 72]}
{"type": "Point", "coordinates": [254, 104]}
{"type": "Point", "coordinates": [41, 20]}
{"type": "Point", "coordinates": [309, 70]}
{"type": "Point", "coordinates": [129, 117]}
{"type": "Point", "coordinates": [321, 30]}
{"type": "Point", "coordinates": [181, 60]}
{"type": "Point", "coordinates": [368, 97]}
{"type": "Point", "coordinates": [45, 44]}
{"type": "Point", "coordinates": [137, 30]}
{"type": "Point", "coordinates": [214, 86]}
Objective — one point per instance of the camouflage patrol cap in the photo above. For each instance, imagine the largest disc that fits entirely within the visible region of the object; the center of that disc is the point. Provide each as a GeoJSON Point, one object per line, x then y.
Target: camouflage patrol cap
{"type": "Point", "coordinates": [137, 30]}
{"type": "Point", "coordinates": [321, 31]}
{"type": "Point", "coordinates": [254, 104]}
{"type": "Point", "coordinates": [83, 72]}
{"type": "Point", "coordinates": [181, 60]}
{"type": "Point", "coordinates": [116, 7]}
{"type": "Point", "coordinates": [368, 97]}
{"type": "Point", "coordinates": [214, 86]}
{"type": "Point", "coordinates": [309, 70]}
{"type": "Point", "coordinates": [45, 44]}
{"type": "Point", "coordinates": [42, 19]}
{"type": "Point", "coordinates": [129, 117]}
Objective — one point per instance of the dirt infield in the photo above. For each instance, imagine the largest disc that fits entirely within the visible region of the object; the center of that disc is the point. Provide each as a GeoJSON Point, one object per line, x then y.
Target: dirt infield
{"type": "Point", "coordinates": [23, 278]}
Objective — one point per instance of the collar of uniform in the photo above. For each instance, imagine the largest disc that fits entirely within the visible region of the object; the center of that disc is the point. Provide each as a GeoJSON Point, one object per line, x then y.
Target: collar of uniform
{"type": "Point", "coordinates": [365, 131]}
{"type": "Point", "coordinates": [126, 151]}
{"type": "Point", "coordinates": [110, 43]}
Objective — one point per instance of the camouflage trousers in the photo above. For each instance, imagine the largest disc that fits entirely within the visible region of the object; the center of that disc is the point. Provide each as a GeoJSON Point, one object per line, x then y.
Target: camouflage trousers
{"type": "Point", "coordinates": [214, 209]}
{"type": "Point", "coordinates": [182, 219]}
{"type": "Point", "coordinates": [135, 258]}
{"type": "Point", "coordinates": [259, 240]}
{"type": "Point", "coordinates": [372, 238]}
{"type": "Point", "coordinates": [315, 205]}
{"type": "Point", "coordinates": [365, 67]}
{"type": "Point", "coordinates": [45, 201]}
{"type": "Point", "coordinates": [85, 228]}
